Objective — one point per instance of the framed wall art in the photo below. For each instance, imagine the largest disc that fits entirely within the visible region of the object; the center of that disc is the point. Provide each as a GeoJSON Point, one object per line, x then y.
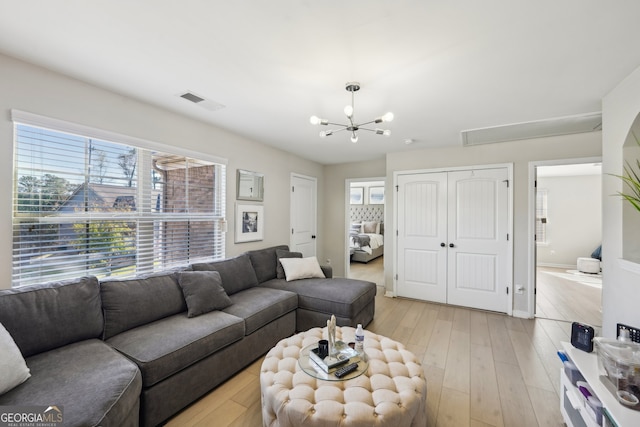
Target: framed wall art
{"type": "Point", "coordinates": [249, 223]}
{"type": "Point", "coordinates": [376, 195]}
{"type": "Point", "coordinates": [249, 186]}
{"type": "Point", "coordinates": [357, 195]}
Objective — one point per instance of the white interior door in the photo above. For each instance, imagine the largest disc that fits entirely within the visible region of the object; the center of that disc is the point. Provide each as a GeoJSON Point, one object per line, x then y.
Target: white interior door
{"type": "Point", "coordinates": [478, 239]}
{"type": "Point", "coordinates": [303, 215]}
{"type": "Point", "coordinates": [452, 240]}
{"type": "Point", "coordinates": [422, 230]}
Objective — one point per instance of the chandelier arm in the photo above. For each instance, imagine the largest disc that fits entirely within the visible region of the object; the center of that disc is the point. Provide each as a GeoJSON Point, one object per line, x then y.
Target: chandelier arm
{"type": "Point", "coordinates": [366, 123]}
{"type": "Point", "coordinates": [339, 130]}
{"type": "Point", "coordinates": [337, 124]}
{"type": "Point", "coordinates": [370, 130]}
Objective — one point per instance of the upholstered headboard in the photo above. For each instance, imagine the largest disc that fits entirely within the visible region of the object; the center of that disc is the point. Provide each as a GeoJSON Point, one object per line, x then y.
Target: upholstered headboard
{"type": "Point", "coordinates": [367, 213]}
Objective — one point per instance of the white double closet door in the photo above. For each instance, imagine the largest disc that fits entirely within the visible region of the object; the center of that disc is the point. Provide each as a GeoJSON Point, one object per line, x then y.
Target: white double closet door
{"type": "Point", "coordinates": [452, 242]}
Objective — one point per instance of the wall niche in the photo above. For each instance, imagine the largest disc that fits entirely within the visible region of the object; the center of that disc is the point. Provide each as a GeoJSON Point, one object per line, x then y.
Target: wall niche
{"type": "Point", "coordinates": [631, 215]}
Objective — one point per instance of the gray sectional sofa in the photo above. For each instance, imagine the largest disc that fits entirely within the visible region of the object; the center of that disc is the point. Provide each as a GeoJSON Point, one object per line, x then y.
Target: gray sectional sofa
{"type": "Point", "coordinates": [127, 352]}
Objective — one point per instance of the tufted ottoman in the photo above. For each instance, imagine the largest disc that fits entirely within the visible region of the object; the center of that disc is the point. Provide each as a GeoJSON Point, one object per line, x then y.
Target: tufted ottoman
{"type": "Point", "coordinates": [391, 393]}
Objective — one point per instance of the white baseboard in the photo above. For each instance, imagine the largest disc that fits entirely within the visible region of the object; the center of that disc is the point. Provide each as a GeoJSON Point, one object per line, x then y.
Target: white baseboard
{"type": "Point", "coordinates": [389, 294]}
{"type": "Point", "coordinates": [567, 266]}
{"type": "Point", "coordinates": [522, 314]}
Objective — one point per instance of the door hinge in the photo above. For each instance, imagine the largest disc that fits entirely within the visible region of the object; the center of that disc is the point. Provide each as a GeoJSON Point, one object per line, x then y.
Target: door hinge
{"type": "Point", "coordinates": [292, 231]}
{"type": "Point", "coordinates": [507, 237]}
{"type": "Point", "coordinates": [507, 290]}
{"type": "Point", "coordinates": [397, 188]}
{"type": "Point", "coordinates": [396, 277]}
{"type": "Point", "coordinates": [293, 189]}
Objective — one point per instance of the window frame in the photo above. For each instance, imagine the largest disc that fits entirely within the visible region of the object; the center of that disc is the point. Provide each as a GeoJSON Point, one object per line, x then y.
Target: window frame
{"type": "Point", "coordinates": [143, 214]}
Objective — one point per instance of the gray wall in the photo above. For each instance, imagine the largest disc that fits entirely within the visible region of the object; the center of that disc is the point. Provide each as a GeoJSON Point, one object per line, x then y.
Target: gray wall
{"type": "Point", "coordinates": [37, 90]}
{"type": "Point", "coordinates": [574, 227]}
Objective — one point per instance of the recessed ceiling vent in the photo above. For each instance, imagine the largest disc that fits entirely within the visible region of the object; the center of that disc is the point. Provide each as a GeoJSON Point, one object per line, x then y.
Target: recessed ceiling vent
{"type": "Point", "coordinates": [590, 122]}
{"type": "Point", "coordinates": [201, 101]}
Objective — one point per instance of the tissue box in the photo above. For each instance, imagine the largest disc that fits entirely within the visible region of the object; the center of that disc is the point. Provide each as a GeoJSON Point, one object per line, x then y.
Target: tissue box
{"type": "Point", "coordinates": [619, 361]}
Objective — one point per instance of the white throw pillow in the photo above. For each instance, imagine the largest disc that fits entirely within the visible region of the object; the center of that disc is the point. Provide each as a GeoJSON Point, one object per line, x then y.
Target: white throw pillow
{"type": "Point", "coordinates": [301, 268]}
{"type": "Point", "coordinates": [13, 368]}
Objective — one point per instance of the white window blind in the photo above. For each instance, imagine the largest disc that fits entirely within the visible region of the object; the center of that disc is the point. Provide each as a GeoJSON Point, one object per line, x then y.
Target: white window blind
{"type": "Point", "coordinates": [87, 206]}
{"type": "Point", "coordinates": [541, 215]}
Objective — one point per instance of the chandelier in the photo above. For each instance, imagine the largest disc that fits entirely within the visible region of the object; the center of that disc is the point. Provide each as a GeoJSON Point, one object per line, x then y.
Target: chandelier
{"type": "Point", "coordinates": [352, 126]}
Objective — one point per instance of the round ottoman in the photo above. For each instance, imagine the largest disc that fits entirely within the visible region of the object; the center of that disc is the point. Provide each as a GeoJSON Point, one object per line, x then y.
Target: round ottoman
{"type": "Point", "coordinates": [589, 265]}
{"type": "Point", "coordinates": [391, 393]}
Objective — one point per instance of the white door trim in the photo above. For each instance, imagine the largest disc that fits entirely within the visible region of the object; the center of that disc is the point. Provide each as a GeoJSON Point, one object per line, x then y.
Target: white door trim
{"type": "Point", "coordinates": [509, 261]}
{"type": "Point", "coordinates": [531, 263]}
{"type": "Point", "coordinates": [347, 216]}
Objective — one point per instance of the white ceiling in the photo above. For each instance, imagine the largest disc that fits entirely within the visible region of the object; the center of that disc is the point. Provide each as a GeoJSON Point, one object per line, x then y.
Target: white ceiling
{"type": "Point", "coordinates": [440, 66]}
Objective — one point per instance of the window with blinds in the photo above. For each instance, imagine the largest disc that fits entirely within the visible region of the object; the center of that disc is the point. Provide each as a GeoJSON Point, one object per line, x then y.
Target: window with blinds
{"type": "Point", "coordinates": [541, 215]}
{"type": "Point", "coordinates": [88, 206]}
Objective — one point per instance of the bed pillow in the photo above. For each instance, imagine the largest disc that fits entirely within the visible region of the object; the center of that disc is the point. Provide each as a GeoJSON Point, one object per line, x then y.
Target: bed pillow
{"type": "Point", "coordinates": [356, 228]}
{"type": "Point", "coordinates": [203, 292]}
{"type": "Point", "coordinates": [371, 227]}
{"type": "Point", "coordinates": [301, 268]}
{"type": "Point", "coordinates": [281, 253]}
{"type": "Point", "coordinates": [13, 368]}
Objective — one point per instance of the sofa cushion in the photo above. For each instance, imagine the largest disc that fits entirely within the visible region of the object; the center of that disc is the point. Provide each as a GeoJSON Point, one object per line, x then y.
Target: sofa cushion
{"type": "Point", "coordinates": [301, 268]}
{"type": "Point", "coordinates": [43, 317]}
{"type": "Point", "coordinates": [13, 368]}
{"type": "Point", "coordinates": [281, 253]}
{"type": "Point", "coordinates": [259, 306]}
{"type": "Point", "coordinates": [265, 261]}
{"type": "Point", "coordinates": [95, 385]}
{"type": "Point", "coordinates": [236, 273]}
{"type": "Point", "coordinates": [339, 296]}
{"type": "Point", "coordinates": [134, 302]}
{"type": "Point", "coordinates": [203, 292]}
{"type": "Point", "coordinates": [164, 347]}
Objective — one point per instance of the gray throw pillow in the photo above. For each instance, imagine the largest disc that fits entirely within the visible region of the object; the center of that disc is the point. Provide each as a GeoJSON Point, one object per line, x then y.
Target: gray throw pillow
{"type": "Point", "coordinates": [280, 253]}
{"type": "Point", "coordinates": [203, 292]}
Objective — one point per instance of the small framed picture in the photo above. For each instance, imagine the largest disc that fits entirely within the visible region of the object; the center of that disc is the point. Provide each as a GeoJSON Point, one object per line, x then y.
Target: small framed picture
{"type": "Point", "coordinates": [376, 195]}
{"type": "Point", "coordinates": [249, 223]}
{"type": "Point", "coordinates": [357, 195]}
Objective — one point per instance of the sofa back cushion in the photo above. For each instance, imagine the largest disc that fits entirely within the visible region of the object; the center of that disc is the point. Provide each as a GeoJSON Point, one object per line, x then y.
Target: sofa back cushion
{"type": "Point", "coordinates": [236, 273]}
{"type": "Point", "coordinates": [265, 261]}
{"type": "Point", "coordinates": [43, 317]}
{"type": "Point", "coordinates": [138, 301]}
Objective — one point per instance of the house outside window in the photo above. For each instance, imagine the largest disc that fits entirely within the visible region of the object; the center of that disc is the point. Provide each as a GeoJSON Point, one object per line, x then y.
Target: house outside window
{"type": "Point", "coordinates": [109, 207]}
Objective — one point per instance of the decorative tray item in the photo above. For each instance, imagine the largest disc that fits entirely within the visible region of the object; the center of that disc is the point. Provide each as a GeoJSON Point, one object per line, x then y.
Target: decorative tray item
{"type": "Point", "coordinates": [341, 355]}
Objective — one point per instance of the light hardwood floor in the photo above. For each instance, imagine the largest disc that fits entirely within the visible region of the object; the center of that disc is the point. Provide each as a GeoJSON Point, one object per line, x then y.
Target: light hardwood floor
{"type": "Point", "coordinates": [482, 368]}
{"type": "Point", "coordinates": [562, 299]}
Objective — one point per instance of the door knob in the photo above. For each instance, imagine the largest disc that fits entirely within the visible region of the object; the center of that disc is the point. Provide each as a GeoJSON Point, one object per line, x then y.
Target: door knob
{"type": "Point", "coordinates": [313, 236]}
{"type": "Point", "coordinates": [442, 244]}
{"type": "Point", "coordinates": [451, 245]}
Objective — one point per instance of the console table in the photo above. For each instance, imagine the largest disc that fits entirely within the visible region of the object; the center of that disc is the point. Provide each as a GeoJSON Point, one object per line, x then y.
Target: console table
{"type": "Point", "coordinates": [575, 415]}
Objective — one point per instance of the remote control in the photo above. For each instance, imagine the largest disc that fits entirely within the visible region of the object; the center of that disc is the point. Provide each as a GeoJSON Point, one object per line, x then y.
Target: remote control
{"type": "Point", "coordinates": [346, 370]}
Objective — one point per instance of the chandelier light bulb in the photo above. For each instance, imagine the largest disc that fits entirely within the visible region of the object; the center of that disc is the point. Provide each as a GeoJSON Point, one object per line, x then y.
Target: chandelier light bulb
{"type": "Point", "coordinates": [314, 120]}
{"type": "Point", "coordinates": [387, 117]}
{"type": "Point", "coordinates": [354, 138]}
{"type": "Point", "coordinates": [348, 110]}
{"type": "Point", "coordinates": [386, 132]}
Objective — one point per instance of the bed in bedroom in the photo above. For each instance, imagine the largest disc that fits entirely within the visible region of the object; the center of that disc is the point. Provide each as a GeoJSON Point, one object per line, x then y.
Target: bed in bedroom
{"type": "Point", "coordinates": [366, 241]}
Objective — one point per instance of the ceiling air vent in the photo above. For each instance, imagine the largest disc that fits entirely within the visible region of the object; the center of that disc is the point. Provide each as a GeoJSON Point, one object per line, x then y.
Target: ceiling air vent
{"type": "Point", "coordinates": [201, 101]}
{"type": "Point", "coordinates": [538, 129]}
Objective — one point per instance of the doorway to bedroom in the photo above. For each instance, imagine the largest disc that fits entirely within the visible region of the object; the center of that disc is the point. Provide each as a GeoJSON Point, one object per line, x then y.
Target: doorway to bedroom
{"type": "Point", "coordinates": [568, 229]}
{"type": "Point", "coordinates": [365, 229]}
